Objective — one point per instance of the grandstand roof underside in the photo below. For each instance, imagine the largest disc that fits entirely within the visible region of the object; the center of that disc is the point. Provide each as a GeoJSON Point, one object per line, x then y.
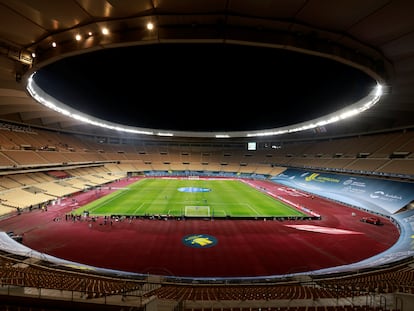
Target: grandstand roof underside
{"type": "Point", "coordinates": [376, 37]}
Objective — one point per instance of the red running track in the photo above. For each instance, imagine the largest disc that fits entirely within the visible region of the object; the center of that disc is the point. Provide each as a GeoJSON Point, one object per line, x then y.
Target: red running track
{"type": "Point", "coordinates": [244, 248]}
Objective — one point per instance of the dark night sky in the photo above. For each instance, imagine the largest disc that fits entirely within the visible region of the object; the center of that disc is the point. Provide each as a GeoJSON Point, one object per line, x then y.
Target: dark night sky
{"type": "Point", "coordinates": [203, 87]}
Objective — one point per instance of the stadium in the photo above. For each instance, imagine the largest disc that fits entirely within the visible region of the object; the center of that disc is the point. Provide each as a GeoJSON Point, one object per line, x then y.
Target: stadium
{"type": "Point", "coordinates": [283, 205]}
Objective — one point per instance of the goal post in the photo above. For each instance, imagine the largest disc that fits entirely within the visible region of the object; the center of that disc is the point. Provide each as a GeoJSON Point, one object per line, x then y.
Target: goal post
{"type": "Point", "coordinates": [197, 211]}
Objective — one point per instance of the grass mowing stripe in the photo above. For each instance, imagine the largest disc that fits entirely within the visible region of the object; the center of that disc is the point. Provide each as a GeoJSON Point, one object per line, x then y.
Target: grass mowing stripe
{"type": "Point", "coordinates": [104, 200]}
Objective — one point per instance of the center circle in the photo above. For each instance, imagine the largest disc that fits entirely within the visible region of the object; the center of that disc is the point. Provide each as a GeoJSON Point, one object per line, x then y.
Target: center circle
{"type": "Point", "coordinates": [193, 189]}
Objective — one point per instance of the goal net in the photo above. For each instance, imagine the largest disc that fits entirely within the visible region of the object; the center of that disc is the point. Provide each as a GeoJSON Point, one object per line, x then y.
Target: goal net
{"type": "Point", "coordinates": [197, 211]}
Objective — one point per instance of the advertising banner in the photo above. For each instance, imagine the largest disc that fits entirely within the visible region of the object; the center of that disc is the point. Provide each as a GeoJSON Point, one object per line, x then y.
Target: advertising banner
{"type": "Point", "coordinates": [378, 195]}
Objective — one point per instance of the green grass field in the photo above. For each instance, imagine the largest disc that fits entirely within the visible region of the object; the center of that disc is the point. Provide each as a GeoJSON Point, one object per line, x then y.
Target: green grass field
{"type": "Point", "coordinates": [190, 198]}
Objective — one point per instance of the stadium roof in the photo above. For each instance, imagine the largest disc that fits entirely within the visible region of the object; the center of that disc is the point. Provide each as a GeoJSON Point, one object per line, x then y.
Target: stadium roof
{"type": "Point", "coordinates": [374, 37]}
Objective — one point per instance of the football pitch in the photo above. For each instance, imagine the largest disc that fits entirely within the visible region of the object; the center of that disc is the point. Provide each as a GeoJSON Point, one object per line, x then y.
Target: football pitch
{"type": "Point", "coordinates": [189, 198]}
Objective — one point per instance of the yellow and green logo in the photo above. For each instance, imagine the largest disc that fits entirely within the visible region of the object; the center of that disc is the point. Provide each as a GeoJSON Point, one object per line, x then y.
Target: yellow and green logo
{"type": "Point", "coordinates": [317, 177]}
{"type": "Point", "coordinates": [199, 240]}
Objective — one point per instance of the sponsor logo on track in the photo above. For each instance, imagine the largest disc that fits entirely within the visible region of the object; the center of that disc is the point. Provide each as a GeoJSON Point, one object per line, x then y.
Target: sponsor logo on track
{"type": "Point", "coordinates": [199, 240]}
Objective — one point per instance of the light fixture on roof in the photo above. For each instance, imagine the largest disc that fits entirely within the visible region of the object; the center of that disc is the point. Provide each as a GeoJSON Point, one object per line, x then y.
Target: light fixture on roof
{"type": "Point", "coordinates": [54, 44]}
{"type": "Point", "coordinates": [78, 37]}
{"type": "Point", "coordinates": [105, 31]}
{"type": "Point", "coordinates": [150, 26]}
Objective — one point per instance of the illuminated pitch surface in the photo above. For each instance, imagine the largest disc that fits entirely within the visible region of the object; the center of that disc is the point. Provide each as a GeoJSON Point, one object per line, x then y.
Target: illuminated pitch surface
{"type": "Point", "coordinates": [190, 198]}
